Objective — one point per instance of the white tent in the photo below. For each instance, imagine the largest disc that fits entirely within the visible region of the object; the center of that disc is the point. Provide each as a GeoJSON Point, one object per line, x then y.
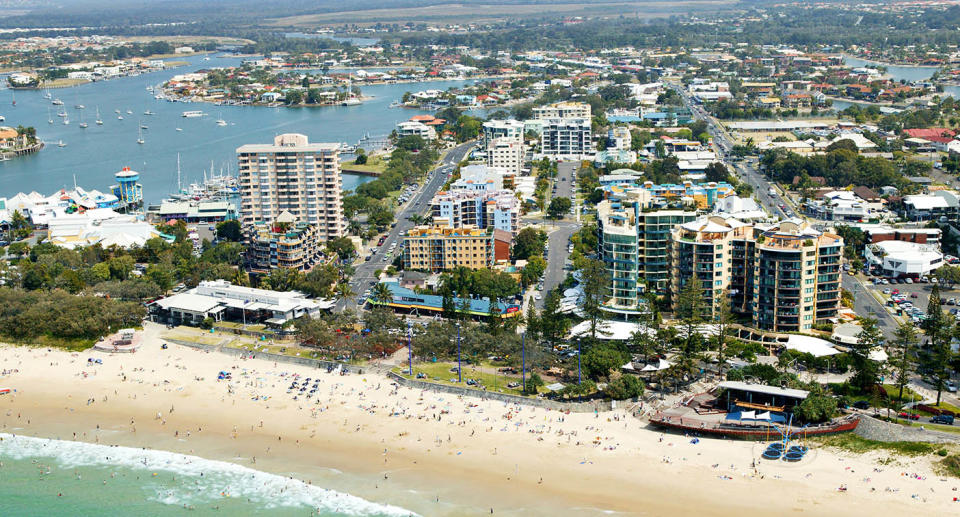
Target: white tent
{"type": "Point", "coordinates": [662, 365]}
{"type": "Point", "coordinates": [764, 416]}
{"type": "Point", "coordinates": [811, 345]}
{"type": "Point", "coordinates": [748, 415]}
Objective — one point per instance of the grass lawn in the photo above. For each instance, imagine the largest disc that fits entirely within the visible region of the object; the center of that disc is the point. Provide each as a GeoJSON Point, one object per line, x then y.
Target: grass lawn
{"type": "Point", "coordinates": [374, 164]}
{"type": "Point", "coordinates": [194, 337]}
{"type": "Point", "coordinates": [853, 443]}
{"type": "Point", "coordinates": [441, 374]}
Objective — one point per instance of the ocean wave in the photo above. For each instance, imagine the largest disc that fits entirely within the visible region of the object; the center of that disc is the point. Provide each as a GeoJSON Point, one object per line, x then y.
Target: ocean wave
{"type": "Point", "coordinates": [211, 479]}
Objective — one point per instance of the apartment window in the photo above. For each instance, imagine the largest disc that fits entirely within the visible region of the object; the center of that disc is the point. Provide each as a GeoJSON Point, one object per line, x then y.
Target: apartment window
{"type": "Point", "coordinates": [808, 290]}
{"type": "Point", "coordinates": [808, 281]}
{"type": "Point", "coordinates": [807, 317]}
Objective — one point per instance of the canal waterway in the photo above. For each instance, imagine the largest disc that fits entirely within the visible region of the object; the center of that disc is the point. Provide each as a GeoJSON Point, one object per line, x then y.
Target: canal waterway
{"type": "Point", "coordinates": [93, 155]}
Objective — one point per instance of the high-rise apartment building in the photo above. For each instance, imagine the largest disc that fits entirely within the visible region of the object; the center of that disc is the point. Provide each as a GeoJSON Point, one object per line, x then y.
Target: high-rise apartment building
{"type": "Point", "coordinates": [634, 247]}
{"type": "Point", "coordinates": [786, 276]}
{"type": "Point", "coordinates": [566, 138]}
{"type": "Point", "coordinates": [494, 129]}
{"type": "Point", "coordinates": [506, 153]}
{"type": "Point", "coordinates": [296, 176]}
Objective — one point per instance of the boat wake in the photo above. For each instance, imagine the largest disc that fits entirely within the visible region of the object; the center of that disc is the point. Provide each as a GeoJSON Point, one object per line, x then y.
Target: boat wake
{"type": "Point", "coordinates": [205, 480]}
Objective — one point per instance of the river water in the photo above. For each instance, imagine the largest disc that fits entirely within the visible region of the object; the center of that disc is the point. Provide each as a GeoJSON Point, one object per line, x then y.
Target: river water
{"type": "Point", "coordinates": [93, 155]}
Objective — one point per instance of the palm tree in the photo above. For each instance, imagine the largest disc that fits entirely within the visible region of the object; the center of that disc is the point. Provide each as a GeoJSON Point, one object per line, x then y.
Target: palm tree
{"type": "Point", "coordinates": [381, 294]}
{"type": "Point", "coordinates": [343, 290]}
{"type": "Point", "coordinates": [354, 227]}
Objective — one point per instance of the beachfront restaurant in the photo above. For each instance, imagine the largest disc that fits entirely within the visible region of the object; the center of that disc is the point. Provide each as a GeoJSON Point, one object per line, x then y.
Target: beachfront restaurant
{"type": "Point", "coordinates": [741, 398]}
{"type": "Point", "coordinates": [220, 300]}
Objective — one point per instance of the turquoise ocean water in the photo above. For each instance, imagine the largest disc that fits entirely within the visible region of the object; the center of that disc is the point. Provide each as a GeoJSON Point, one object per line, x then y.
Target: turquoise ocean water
{"type": "Point", "coordinates": [56, 477]}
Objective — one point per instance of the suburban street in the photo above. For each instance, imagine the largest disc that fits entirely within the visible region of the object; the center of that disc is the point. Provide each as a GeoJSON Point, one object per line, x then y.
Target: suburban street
{"type": "Point", "coordinates": [746, 169]}
{"type": "Point", "coordinates": [364, 276]}
{"type": "Point", "coordinates": [558, 232]}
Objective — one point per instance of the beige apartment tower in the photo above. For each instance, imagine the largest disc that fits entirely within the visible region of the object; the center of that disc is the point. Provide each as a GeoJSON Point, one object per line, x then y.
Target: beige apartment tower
{"type": "Point", "coordinates": [296, 176]}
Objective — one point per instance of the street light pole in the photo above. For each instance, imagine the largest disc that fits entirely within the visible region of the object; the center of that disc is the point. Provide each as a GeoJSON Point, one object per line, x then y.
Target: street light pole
{"type": "Point", "coordinates": [579, 374]}
{"type": "Point", "coordinates": [523, 361]}
{"type": "Point", "coordinates": [459, 364]}
{"type": "Point", "coordinates": [410, 346]}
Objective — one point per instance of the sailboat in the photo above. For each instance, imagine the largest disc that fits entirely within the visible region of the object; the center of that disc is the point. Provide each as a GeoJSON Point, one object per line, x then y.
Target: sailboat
{"type": "Point", "coordinates": [220, 121]}
{"type": "Point", "coordinates": [57, 102]}
{"type": "Point", "coordinates": [13, 94]}
{"type": "Point", "coordinates": [47, 95]}
{"type": "Point", "coordinates": [143, 126]}
{"type": "Point", "coordinates": [140, 140]}
{"type": "Point", "coordinates": [119, 117]}
{"type": "Point", "coordinates": [83, 125]}
{"type": "Point", "coordinates": [99, 120]}
{"type": "Point", "coordinates": [49, 116]}
{"type": "Point", "coordinates": [61, 144]}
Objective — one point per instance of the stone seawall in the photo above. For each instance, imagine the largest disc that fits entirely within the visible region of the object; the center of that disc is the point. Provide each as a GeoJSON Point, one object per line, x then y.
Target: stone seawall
{"type": "Point", "coordinates": [575, 407]}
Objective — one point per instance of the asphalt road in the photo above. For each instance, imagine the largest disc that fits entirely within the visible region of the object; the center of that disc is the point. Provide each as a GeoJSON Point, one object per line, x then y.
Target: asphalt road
{"type": "Point", "coordinates": [864, 304]}
{"type": "Point", "coordinates": [364, 277]}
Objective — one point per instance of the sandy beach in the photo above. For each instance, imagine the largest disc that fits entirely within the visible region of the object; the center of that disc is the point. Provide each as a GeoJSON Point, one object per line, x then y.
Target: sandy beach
{"type": "Point", "coordinates": [434, 454]}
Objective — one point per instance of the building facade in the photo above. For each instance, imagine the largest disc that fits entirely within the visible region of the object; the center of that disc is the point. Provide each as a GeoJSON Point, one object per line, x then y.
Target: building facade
{"type": "Point", "coordinates": [566, 138]}
{"type": "Point", "coordinates": [295, 245]}
{"type": "Point", "coordinates": [440, 248]}
{"type": "Point", "coordinates": [786, 276]}
{"type": "Point", "coordinates": [506, 153]}
{"type": "Point", "coordinates": [496, 209]}
{"type": "Point", "coordinates": [634, 247]}
{"type": "Point", "coordinates": [296, 176]}
{"type": "Point", "coordinates": [562, 110]}
{"type": "Point", "coordinates": [495, 129]}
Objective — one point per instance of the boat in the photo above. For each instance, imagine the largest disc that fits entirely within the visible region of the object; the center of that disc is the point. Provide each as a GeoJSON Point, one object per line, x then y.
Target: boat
{"type": "Point", "coordinates": [395, 104]}
{"type": "Point", "coordinates": [119, 117]}
{"type": "Point", "coordinates": [144, 126]}
{"type": "Point", "coordinates": [352, 101]}
{"type": "Point", "coordinates": [179, 129]}
{"type": "Point", "coordinates": [61, 144]}
{"type": "Point", "coordinates": [220, 121]}
{"type": "Point", "coordinates": [116, 111]}
{"type": "Point", "coordinates": [5, 391]}
{"type": "Point", "coordinates": [148, 112]}
{"type": "Point", "coordinates": [129, 112]}
{"type": "Point", "coordinates": [47, 95]}
{"type": "Point", "coordinates": [140, 139]}
{"type": "Point", "coordinates": [49, 116]}
{"type": "Point", "coordinates": [82, 124]}
{"type": "Point", "coordinates": [99, 120]}
{"type": "Point", "coordinates": [57, 102]}
{"type": "Point", "coordinates": [80, 107]}
{"type": "Point", "coordinates": [158, 96]}
{"type": "Point", "coordinates": [61, 113]}
{"type": "Point", "coordinates": [2, 118]}
{"type": "Point", "coordinates": [191, 114]}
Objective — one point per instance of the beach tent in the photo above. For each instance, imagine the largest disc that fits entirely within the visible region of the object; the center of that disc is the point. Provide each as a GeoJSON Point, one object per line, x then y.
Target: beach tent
{"type": "Point", "coordinates": [662, 365]}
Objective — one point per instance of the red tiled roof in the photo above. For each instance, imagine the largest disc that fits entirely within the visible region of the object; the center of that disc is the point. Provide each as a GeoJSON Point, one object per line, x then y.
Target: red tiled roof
{"type": "Point", "coordinates": [929, 133]}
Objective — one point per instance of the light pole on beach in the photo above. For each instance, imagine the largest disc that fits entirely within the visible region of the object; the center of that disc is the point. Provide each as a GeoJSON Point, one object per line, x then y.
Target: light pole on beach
{"type": "Point", "coordinates": [459, 364]}
{"type": "Point", "coordinates": [523, 362]}
{"type": "Point", "coordinates": [579, 374]}
{"type": "Point", "coordinates": [410, 346]}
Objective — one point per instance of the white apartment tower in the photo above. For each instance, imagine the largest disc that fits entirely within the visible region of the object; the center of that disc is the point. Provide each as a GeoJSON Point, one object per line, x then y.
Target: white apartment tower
{"type": "Point", "coordinates": [506, 153]}
{"type": "Point", "coordinates": [295, 176]}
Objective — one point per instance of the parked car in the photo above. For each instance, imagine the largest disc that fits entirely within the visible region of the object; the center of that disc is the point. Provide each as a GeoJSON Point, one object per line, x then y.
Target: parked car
{"type": "Point", "coordinates": [861, 404]}
{"type": "Point", "coordinates": [942, 419]}
{"type": "Point", "coordinates": [911, 416]}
